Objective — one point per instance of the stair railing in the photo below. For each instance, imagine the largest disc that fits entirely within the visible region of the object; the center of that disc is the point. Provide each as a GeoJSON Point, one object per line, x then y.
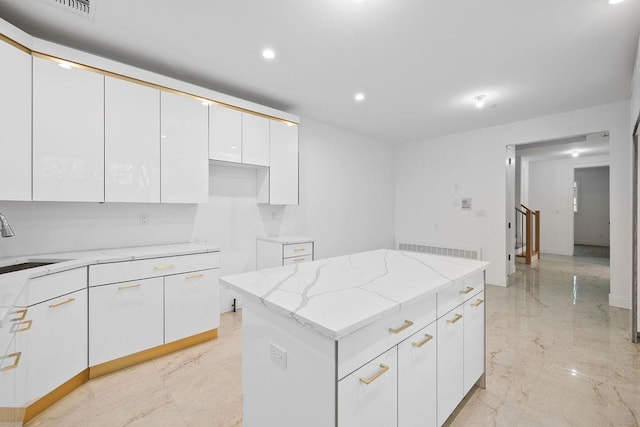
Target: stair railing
{"type": "Point", "coordinates": [528, 232]}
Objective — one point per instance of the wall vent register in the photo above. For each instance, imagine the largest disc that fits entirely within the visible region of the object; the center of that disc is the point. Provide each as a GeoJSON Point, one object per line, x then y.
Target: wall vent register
{"type": "Point", "coordinates": [81, 7]}
{"type": "Point", "coordinates": [437, 250]}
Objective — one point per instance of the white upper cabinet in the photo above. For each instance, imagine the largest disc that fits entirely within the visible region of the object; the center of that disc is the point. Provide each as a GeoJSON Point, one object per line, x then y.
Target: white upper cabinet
{"type": "Point", "coordinates": [184, 161]}
{"type": "Point", "coordinates": [225, 134]}
{"type": "Point", "coordinates": [132, 142]}
{"type": "Point", "coordinates": [68, 133]}
{"type": "Point", "coordinates": [255, 140]}
{"type": "Point", "coordinates": [15, 122]}
{"type": "Point", "coordinates": [283, 172]}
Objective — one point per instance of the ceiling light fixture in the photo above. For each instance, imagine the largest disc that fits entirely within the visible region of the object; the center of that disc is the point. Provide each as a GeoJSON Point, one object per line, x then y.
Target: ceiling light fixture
{"type": "Point", "coordinates": [575, 153]}
{"type": "Point", "coordinates": [480, 100]}
{"type": "Point", "coordinates": [614, 1]}
{"type": "Point", "coordinates": [359, 97]}
{"type": "Point", "coordinates": [268, 54]}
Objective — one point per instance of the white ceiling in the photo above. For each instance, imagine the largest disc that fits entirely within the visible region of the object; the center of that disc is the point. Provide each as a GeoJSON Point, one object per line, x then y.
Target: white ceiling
{"type": "Point", "coordinates": [594, 144]}
{"type": "Point", "coordinates": [419, 62]}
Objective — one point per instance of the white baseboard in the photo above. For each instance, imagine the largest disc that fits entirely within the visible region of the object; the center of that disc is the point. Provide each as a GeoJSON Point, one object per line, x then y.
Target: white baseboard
{"type": "Point", "coordinates": [587, 243]}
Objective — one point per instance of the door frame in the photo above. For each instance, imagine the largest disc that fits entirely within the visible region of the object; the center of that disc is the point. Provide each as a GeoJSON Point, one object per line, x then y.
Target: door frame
{"type": "Point", "coordinates": [635, 317]}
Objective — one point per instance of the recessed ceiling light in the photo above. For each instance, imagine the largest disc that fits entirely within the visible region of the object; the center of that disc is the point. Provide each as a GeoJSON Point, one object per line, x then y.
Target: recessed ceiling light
{"type": "Point", "coordinates": [614, 1]}
{"type": "Point", "coordinates": [575, 153]}
{"type": "Point", "coordinates": [480, 100]}
{"type": "Point", "coordinates": [268, 54]}
{"type": "Point", "coordinates": [359, 97]}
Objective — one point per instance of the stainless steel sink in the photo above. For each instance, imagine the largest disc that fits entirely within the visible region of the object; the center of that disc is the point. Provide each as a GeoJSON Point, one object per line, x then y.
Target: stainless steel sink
{"type": "Point", "coordinates": [25, 266]}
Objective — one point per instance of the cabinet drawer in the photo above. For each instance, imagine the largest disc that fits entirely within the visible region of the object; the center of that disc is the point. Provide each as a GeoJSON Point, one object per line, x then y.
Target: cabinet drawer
{"type": "Point", "coordinates": [363, 345]}
{"type": "Point", "coordinates": [102, 274]}
{"type": "Point", "coordinates": [297, 259]}
{"type": "Point", "coordinates": [52, 286]}
{"type": "Point", "coordinates": [369, 396]}
{"type": "Point", "coordinates": [459, 292]}
{"type": "Point", "coordinates": [297, 249]}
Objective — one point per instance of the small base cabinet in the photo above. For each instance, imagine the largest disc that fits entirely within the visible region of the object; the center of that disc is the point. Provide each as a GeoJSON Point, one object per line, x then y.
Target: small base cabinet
{"type": "Point", "coordinates": [278, 251]}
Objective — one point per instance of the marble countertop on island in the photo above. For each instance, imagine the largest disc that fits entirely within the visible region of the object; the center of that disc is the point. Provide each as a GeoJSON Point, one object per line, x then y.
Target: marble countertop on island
{"type": "Point", "coordinates": [337, 296]}
{"type": "Point", "coordinates": [12, 284]}
{"type": "Point", "coordinates": [287, 240]}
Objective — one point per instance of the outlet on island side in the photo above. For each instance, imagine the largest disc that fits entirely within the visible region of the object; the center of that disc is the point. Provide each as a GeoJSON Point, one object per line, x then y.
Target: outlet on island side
{"type": "Point", "coordinates": [278, 355]}
{"type": "Point", "coordinates": [144, 218]}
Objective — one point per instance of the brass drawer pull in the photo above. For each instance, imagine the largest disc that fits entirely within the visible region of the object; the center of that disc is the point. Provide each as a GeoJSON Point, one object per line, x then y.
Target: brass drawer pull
{"type": "Point", "coordinates": [423, 342]}
{"type": "Point", "coordinates": [195, 276]}
{"type": "Point", "coordinates": [455, 319]}
{"type": "Point", "coordinates": [298, 260]}
{"type": "Point", "coordinates": [135, 285]}
{"type": "Point", "coordinates": [477, 303]}
{"type": "Point", "coordinates": [22, 312]}
{"type": "Point", "coordinates": [383, 368]}
{"type": "Point", "coordinates": [58, 304]}
{"type": "Point", "coordinates": [299, 250]}
{"type": "Point", "coordinates": [25, 325]}
{"type": "Point", "coordinates": [15, 362]}
{"type": "Point", "coordinates": [164, 267]}
{"type": "Point", "coordinates": [466, 291]}
{"type": "Point", "coordinates": [407, 323]}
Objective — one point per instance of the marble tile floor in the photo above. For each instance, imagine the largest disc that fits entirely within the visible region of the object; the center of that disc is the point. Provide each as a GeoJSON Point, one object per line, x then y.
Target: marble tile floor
{"type": "Point", "coordinates": [557, 355]}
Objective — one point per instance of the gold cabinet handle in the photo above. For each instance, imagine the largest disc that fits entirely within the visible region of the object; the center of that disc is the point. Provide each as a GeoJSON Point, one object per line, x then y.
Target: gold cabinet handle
{"type": "Point", "coordinates": [195, 276]}
{"type": "Point", "coordinates": [15, 362]}
{"type": "Point", "coordinates": [25, 325]}
{"type": "Point", "coordinates": [466, 291]}
{"type": "Point", "coordinates": [423, 342]}
{"type": "Point", "coordinates": [455, 318]}
{"type": "Point", "coordinates": [298, 260]}
{"type": "Point", "coordinates": [58, 304]}
{"type": "Point", "coordinates": [164, 267]}
{"type": "Point", "coordinates": [383, 368]}
{"type": "Point", "coordinates": [22, 314]}
{"type": "Point", "coordinates": [407, 323]}
{"type": "Point", "coordinates": [299, 250]}
{"type": "Point", "coordinates": [135, 285]}
{"type": "Point", "coordinates": [477, 303]}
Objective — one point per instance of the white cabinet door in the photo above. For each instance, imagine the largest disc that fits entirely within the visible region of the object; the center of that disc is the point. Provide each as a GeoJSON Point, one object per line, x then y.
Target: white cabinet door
{"type": "Point", "coordinates": [132, 142]}
{"type": "Point", "coordinates": [184, 164]}
{"type": "Point", "coordinates": [417, 379]}
{"type": "Point", "coordinates": [450, 339]}
{"type": "Point", "coordinates": [125, 318]}
{"type": "Point", "coordinates": [474, 352]}
{"type": "Point", "coordinates": [373, 404]}
{"type": "Point", "coordinates": [191, 304]}
{"type": "Point", "coordinates": [54, 349]}
{"type": "Point", "coordinates": [68, 133]}
{"type": "Point", "coordinates": [9, 364]}
{"type": "Point", "coordinates": [255, 140]}
{"type": "Point", "coordinates": [283, 171]}
{"type": "Point", "coordinates": [15, 122]}
{"type": "Point", "coordinates": [225, 134]}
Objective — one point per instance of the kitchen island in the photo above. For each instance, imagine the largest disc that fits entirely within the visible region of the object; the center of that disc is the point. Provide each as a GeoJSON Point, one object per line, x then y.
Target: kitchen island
{"type": "Point", "coordinates": [381, 338]}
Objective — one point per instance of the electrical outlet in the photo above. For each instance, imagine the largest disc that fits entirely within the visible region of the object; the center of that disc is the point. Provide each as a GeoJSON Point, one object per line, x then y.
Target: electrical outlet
{"type": "Point", "coordinates": [278, 355]}
{"type": "Point", "coordinates": [144, 218]}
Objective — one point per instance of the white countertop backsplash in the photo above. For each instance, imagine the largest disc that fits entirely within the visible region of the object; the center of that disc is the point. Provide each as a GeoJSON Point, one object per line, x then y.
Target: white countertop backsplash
{"type": "Point", "coordinates": [12, 284]}
{"type": "Point", "coordinates": [338, 296]}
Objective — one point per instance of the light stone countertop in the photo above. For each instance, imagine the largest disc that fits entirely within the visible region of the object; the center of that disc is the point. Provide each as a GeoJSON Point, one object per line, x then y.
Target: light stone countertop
{"type": "Point", "coordinates": [338, 296]}
{"type": "Point", "coordinates": [287, 240]}
{"type": "Point", "coordinates": [12, 284]}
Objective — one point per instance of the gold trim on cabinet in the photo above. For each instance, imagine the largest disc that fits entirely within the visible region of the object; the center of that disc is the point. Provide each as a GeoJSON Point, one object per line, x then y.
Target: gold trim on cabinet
{"type": "Point", "coordinates": [58, 304]}
{"type": "Point", "coordinates": [15, 44]}
{"type": "Point", "coordinates": [467, 290]}
{"type": "Point", "coordinates": [423, 342]}
{"type": "Point", "coordinates": [455, 318]}
{"type": "Point", "coordinates": [383, 368]}
{"type": "Point", "coordinates": [22, 326]}
{"type": "Point", "coordinates": [15, 363]}
{"type": "Point", "coordinates": [135, 285]}
{"type": "Point", "coordinates": [149, 354]}
{"type": "Point", "coordinates": [23, 314]}
{"type": "Point", "coordinates": [195, 276]}
{"type": "Point", "coordinates": [407, 323]}
{"type": "Point", "coordinates": [477, 303]}
{"type": "Point", "coordinates": [54, 396]}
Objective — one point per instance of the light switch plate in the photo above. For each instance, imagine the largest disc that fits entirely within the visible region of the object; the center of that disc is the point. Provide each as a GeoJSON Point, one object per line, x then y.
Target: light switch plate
{"type": "Point", "coordinates": [466, 203]}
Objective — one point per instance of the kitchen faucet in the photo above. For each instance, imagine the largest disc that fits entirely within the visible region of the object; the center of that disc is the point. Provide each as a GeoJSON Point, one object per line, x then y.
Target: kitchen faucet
{"type": "Point", "coordinates": [5, 228]}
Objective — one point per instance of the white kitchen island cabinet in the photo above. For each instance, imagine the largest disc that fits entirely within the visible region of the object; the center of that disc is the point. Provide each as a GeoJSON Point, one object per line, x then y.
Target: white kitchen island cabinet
{"type": "Point", "coordinates": [355, 340]}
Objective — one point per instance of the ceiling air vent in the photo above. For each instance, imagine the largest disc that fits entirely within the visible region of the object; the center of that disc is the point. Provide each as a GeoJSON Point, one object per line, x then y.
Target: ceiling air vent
{"type": "Point", "coordinates": [80, 7]}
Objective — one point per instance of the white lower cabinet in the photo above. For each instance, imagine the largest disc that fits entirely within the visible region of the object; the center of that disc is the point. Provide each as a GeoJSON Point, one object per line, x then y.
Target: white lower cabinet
{"type": "Point", "coordinates": [368, 397]}
{"type": "Point", "coordinates": [450, 362]}
{"type": "Point", "coordinates": [125, 318]}
{"type": "Point", "coordinates": [474, 344]}
{"type": "Point", "coordinates": [191, 304]}
{"type": "Point", "coordinates": [417, 379]}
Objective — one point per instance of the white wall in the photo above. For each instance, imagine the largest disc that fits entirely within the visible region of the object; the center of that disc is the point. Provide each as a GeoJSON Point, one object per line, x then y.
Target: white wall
{"type": "Point", "coordinates": [346, 203]}
{"type": "Point", "coordinates": [431, 174]}
{"type": "Point", "coordinates": [591, 223]}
